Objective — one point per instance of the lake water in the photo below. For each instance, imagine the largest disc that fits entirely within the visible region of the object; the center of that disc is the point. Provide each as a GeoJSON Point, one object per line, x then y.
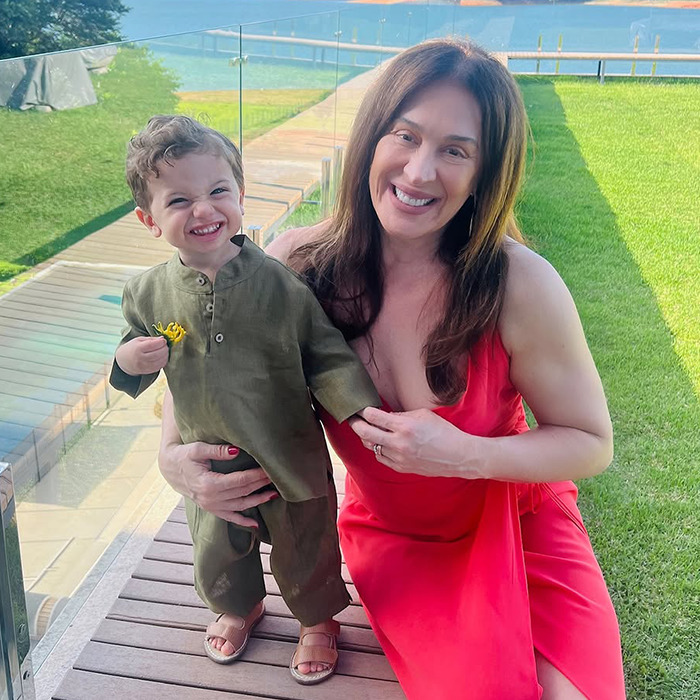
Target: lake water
{"type": "Point", "coordinates": [506, 27]}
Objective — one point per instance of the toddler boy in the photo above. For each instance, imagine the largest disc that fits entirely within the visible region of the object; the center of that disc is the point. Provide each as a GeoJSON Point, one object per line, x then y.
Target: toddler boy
{"type": "Point", "coordinates": [242, 340]}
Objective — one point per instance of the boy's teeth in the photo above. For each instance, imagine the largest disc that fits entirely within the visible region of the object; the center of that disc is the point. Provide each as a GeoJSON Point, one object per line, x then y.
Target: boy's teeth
{"type": "Point", "coordinates": [204, 231]}
{"type": "Point", "coordinates": [403, 197]}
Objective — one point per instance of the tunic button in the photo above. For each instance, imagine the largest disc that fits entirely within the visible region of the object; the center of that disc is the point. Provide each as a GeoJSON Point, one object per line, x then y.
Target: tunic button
{"type": "Point", "coordinates": [219, 337]}
{"type": "Point", "coordinates": [210, 308]}
{"type": "Point", "coordinates": [201, 281]}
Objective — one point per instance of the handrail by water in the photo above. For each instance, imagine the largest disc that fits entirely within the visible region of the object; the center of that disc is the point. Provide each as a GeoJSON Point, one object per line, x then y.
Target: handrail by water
{"type": "Point", "coordinates": [600, 56]}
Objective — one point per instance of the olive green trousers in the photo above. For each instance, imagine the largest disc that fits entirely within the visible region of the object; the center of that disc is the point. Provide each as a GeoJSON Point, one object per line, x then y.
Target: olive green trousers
{"type": "Point", "coordinates": [305, 558]}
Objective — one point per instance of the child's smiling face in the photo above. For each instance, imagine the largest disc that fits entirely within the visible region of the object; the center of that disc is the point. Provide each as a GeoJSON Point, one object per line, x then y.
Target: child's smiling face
{"type": "Point", "coordinates": [197, 206]}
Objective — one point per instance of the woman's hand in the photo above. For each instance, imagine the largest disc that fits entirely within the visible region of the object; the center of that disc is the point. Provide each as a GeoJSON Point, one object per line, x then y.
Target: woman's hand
{"type": "Point", "coordinates": [187, 468]}
{"type": "Point", "coordinates": [418, 442]}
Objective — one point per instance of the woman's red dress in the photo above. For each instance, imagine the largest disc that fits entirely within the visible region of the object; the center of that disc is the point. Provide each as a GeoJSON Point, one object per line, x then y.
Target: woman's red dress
{"type": "Point", "coordinates": [463, 579]}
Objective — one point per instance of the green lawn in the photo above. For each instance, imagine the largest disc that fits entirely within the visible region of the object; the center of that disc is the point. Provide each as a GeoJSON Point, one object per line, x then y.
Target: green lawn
{"type": "Point", "coordinates": [62, 174]}
{"type": "Point", "coordinates": [262, 109]}
{"type": "Point", "coordinates": [612, 201]}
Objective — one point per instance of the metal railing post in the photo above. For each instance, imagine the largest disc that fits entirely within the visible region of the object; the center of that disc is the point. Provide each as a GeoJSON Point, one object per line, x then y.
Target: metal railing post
{"type": "Point", "coordinates": [325, 186]}
{"type": "Point", "coordinates": [14, 626]}
{"type": "Point", "coordinates": [337, 172]}
{"type": "Point", "coordinates": [656, 50]}
{"type": "Point", "coordinates": [635, 50]}
{"type": "Point", "coordinates": [255, 235]}
{"type": "Point", "coordinates": [559, 45]}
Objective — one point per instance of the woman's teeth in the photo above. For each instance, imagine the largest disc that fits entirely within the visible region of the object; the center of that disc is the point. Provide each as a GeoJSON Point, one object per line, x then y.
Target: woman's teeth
{"type": "Point", "coordinates": [403, 197]}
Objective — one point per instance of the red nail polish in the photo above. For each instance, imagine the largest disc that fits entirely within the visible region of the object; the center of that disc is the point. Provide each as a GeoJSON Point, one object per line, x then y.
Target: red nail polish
{"type": "Point", "coordinates": [233, 450]}
{"type": "Point", "coordinates": [274, 495]}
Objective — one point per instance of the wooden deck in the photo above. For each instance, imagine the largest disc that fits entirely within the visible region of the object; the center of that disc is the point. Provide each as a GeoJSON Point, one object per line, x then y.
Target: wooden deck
{"type": "Point", "coordinates": [57, 337]}
{"type": "Point", "coordinates": [150, 645]}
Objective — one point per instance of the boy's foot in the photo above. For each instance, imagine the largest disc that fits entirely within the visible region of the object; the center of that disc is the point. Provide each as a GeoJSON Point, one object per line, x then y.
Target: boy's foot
{"type": "Point", "coordinates": [316, 655]}
{"type": "Point", "coordinates": [227, 637]}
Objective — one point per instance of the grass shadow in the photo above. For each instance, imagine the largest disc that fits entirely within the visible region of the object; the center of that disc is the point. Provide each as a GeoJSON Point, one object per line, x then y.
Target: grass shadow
{"type": "Point", "coordinates": [644, 512]}
{"type": "Point", "coordinates": [76, 234]}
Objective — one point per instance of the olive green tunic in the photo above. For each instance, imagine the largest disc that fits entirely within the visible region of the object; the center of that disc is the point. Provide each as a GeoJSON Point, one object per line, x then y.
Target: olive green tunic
{"type": "Point", "coordinates": [256, 339]}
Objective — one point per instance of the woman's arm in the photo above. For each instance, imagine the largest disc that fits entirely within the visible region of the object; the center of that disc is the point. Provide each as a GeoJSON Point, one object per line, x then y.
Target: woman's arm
{"type": "Point", "coordinates": [550, 365]}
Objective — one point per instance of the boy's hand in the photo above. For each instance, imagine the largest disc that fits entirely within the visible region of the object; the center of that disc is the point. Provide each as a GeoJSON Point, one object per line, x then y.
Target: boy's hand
{"type": "Point", "coordinates": [142, 355]}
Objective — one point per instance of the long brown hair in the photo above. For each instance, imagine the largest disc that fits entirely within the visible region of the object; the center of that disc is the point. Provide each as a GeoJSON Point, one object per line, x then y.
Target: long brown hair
{"type": "Point", "coordinates": [344, 265]}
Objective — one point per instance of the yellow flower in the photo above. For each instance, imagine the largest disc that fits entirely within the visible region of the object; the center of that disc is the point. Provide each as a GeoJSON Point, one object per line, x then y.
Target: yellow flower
{"type": "Point", "coordinates": [174, 332]}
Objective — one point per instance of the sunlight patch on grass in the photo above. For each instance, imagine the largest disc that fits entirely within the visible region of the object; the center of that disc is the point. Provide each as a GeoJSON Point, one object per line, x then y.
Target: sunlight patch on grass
{"type": "Point", "coordinates": [640, 142]}
{"type": "Point", "coordinates": [623, 256]}
{"type": "Point", "coordinates": [262, 109]}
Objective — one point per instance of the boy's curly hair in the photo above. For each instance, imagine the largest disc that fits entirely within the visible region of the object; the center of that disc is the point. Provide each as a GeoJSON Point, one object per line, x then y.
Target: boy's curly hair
{"type": "Point", "coordinates": [167, 138]}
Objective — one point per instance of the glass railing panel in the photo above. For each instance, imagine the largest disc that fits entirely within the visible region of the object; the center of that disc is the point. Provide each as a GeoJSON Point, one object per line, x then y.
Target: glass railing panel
{"type": "Point", "coordinates": [288, 65]}
{"type": "Point", "coordinates": [372, 34]}
{"type": "Point", "coordinates": [289, 76]}
{"type": "Point", "coordinates": [64, 121]}
{"type": "Point", "coordinates": [14, 629]}
{"type": "Point", "coordinates": [82, 474]}
{"type": "Point", "coordinates": [208, 76]}
{"type": "Point", "coordinates": [580, 28]}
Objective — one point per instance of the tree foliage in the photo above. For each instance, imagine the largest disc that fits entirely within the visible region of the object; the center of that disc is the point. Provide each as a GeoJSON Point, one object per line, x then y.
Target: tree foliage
{"type": "Point", "coordinates": [37, 26]}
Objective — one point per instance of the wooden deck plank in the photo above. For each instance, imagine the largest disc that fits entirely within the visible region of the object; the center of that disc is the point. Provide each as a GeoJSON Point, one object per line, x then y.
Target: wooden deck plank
{"type": "Point", "coordinates": [17, 431]}
{"type": "Point", "coordinates": [132, 256]}
{"type": "Point", "coordinates": [32, 392]}
{"type": "Point", "coordinates": [84, 685]}
{"type": "Point", "coordinates": [6, 445]}
{"type": "Point", "coordinates": [96, 259]}
{"type": "Point", "coordinates": [18, 375]}
{"type": "Point", "coordinates": [182, 573]}
{"type": "Point", "coordinates": [97, 310]}
{"type": "Point", "coordinates": [71, 292]}
{"type": "Point", "coordinates": [20, 418]}
{"type": "Point", "coordinates": [76, 275]}
{"type": "Point", "coordinates": [67, 360]}
{"type": "Point", "coordinates": [188, 617]}
{"type": "Point", "coordinates": [62, 317]}
{"type": "Point", "coordinates": [180, 594]}
{"type": "Point", "coordinates": [254, 679]}
{"type": "Point", "coordinates": [41, 371]}
{"type": "Point", "coordinates": [29, 348]}
{"type": "Point", "coordinates": [263, 651]}
{"type": "Point", "coordinates": [178, 553]}
{"type": "Point", "coordinates": [50, 333]}
{"type": "Point", "coordinates": [9, 404]}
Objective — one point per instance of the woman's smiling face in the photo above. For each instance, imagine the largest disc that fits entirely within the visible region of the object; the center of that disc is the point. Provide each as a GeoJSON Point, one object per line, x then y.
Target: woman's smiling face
{"type": "Point", "coordinates": [427, 165]}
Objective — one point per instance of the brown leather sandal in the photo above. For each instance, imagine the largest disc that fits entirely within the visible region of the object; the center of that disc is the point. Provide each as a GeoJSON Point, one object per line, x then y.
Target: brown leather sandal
{"type": "Point", "coordinates": [313, 653]}
{"type": "Point", "coordinates": [236, 636]}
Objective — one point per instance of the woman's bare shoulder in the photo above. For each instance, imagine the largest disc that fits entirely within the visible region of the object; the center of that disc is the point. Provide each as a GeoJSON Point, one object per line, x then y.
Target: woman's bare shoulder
{"type": "Point", "coordinates": [288, 241]}
{"type": "Point", "coordinates": [527, 270]}
{"type": "Point", "coordinates": [536, 297]}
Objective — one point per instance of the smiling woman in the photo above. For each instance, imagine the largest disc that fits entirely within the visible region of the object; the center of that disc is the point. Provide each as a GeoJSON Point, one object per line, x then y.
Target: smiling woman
{"type": "Point", "coordinates": [460, 526]}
